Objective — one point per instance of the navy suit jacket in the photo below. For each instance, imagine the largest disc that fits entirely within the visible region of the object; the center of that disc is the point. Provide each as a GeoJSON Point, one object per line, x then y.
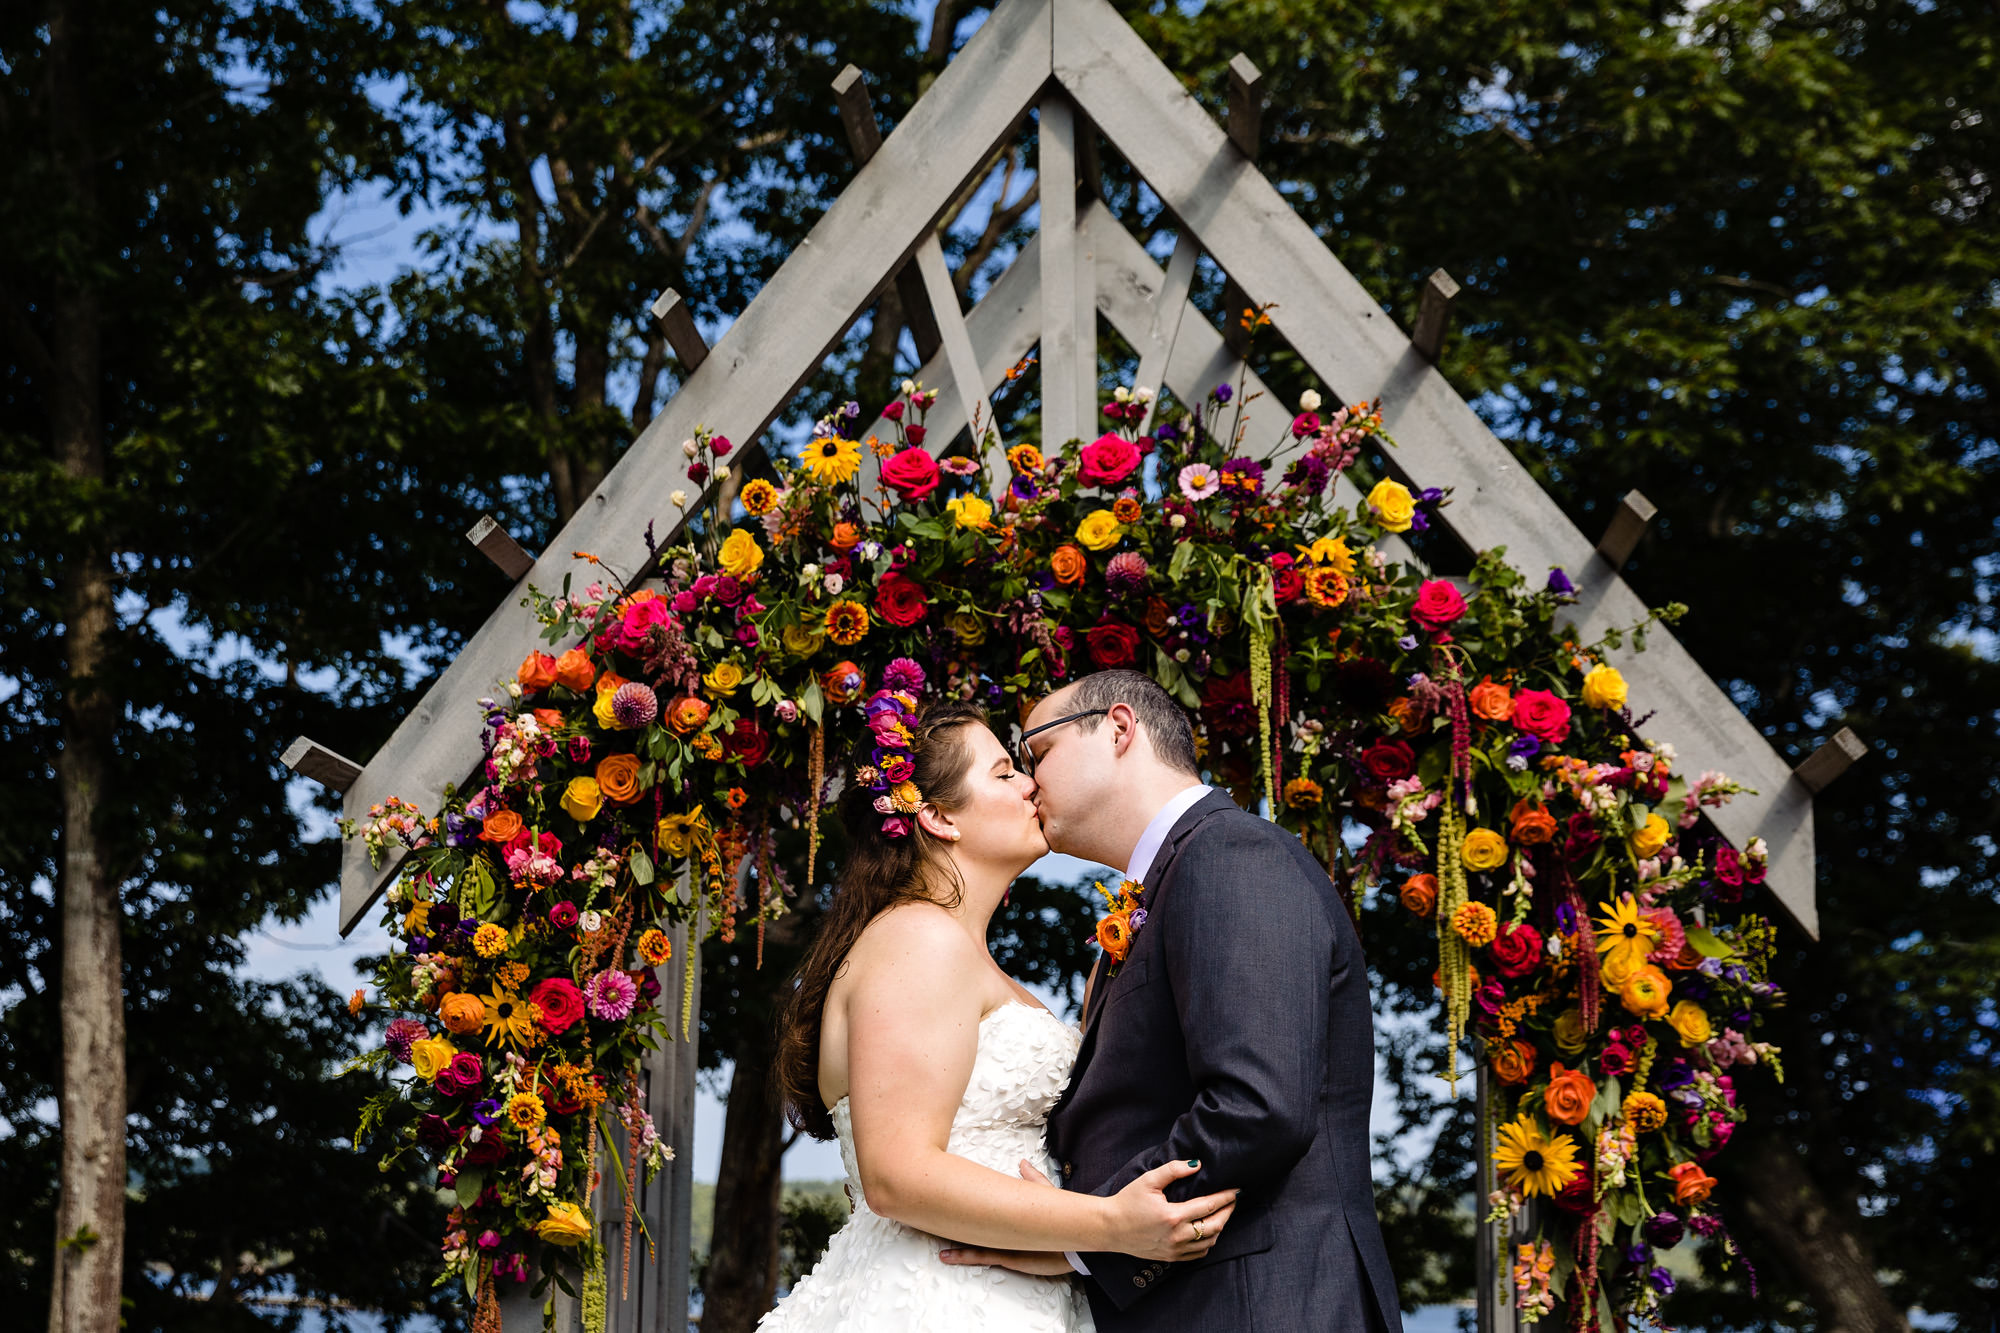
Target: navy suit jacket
{"type": "Point", "coordinates": [1239, 1032]}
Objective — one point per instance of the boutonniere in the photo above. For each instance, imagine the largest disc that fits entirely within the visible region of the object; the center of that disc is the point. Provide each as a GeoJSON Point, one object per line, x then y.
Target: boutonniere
{"type": "Point", "coordinates": [1121, 925]}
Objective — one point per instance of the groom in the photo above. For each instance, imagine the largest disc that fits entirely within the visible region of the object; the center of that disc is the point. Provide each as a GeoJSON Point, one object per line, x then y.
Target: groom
{"type": "Point", "coordinates": [1237, 1032]}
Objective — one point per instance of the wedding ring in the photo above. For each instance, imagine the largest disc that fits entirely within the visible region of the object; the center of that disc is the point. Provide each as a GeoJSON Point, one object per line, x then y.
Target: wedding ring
{"type": "Point", "coordinates": [1197, 1229]}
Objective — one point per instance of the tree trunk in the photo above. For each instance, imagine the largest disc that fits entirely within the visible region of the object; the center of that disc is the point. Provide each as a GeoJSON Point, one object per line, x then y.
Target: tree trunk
{"type": "Point", "coordinates": [742, 1278]}
{"type": "Point", "coordinates": [1818, 1241]}
{"type": "Point", "coordinates": [85, 1278]}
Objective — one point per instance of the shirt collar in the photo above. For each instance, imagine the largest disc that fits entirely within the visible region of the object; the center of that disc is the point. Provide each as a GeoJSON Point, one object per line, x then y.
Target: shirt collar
{"type": "Point", "coordinates": [1148, 848]}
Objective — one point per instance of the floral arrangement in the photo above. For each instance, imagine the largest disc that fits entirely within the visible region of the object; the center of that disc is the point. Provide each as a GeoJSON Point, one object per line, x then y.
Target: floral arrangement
{"type": "Point", "coordinates": [636, 778]}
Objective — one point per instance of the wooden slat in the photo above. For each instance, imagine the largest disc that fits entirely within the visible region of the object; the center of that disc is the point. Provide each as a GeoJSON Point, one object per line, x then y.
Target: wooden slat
{"type": "Point", "coordinates": [1433, 314]}
{"type": "Point", "coordinates": [1830, 760]}
{"type": "Point", "coordinates": [1064, 376]}
{"type": "Point", "coordinates": [864, 138]}
{"type": "Point", "coordinates": [498, 545]}
{"type": "Point", "coordinates": [677, 323]}
{"type": "Point", "coordinates": [967, 380]}
{"type": "Point", "coordinates": [854, 250]}
{"type": "Point", "coordinates": [309, 759]}
{"type": "Point", "coordinates": [1169, 305]}
{"type": "Point", "coordinates": [1350, 342]}
{"type": "Point", "coordinates": [1246, 131]}
{"type": "Point", "coordinates": [1628, 524]}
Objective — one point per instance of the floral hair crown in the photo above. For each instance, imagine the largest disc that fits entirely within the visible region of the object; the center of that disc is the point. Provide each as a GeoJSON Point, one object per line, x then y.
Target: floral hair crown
{"type": "Point", "coordinates": [892, 719]}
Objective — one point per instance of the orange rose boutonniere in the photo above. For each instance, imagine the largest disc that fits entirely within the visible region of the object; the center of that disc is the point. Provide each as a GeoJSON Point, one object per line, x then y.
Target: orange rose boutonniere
{"type": "Point", "coordinates": [1121, 925]}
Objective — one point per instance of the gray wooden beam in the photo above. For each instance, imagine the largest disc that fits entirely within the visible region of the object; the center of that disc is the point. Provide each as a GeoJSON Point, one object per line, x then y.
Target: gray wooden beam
{"type": "Point", "coordinates": [774, 346]}
{"type": "Point", "coordinates": [1069, 342]}
{"type": "Point", "coordinates": [1246, 131]}
{"type": "Point", "coordinates": [1349, 341]}
{"type": "Point", "coordinates": [967, 379]}
{"type": "Point", "coordinates": [1830, 760]}
{"type": "Point", "coordinates": [1433, 314]}
{"type": "Point", "coordinates": [677, 323]}
{"type": "Point", "coordinates": [498, 545]}
{"type": "Point", "coordinates": [1628, 524]}
{"type": "Point", "coordinates": [1170, 305]}
{"type": "Point", "coordinates": [309, 759]}
{"type": "Point", "coordinates": [864, 138]}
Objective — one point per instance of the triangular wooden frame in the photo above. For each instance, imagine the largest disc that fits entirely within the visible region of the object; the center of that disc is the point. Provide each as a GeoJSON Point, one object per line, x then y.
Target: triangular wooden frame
{"type": "Point", "coordinates": [1070, 60]}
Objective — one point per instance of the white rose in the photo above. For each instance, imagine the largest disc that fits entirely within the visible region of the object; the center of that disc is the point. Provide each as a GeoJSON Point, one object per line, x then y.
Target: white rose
{"type": "Point", "coordinates": [834, 583]}
{"type": "Point", "coordinates": [680, 499]}
{"type": "Point", "coordinates": [1122, 394]}
{"type": "Point", "coordinates": [1142, 394]}
{"type": "Point", "coordinates": [1177, 521]}
{"type": "Point", "coordinates": [808, 573]}
{"type": "Point", "coordinates": [1309, 401]}
{"type": "Point", "coordinates": [690, 448]}
{"type": "Point", "coordinates": [909, 387]}
{"type": "Point", "coordinates": [591, 921]}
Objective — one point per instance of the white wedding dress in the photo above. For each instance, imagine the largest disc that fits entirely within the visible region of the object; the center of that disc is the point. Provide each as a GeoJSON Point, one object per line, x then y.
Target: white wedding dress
{"type": "Point", "coordinates": [879, 1276]}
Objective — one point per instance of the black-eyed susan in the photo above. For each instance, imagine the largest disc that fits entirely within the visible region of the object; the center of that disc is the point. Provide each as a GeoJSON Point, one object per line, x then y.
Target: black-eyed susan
{"type": "Point", "coordinates": [830, 460]}
{"type": "Point", "coordinates": [508, 1018]}
{"type": "Point", "coordinates": [1534, 1161]}
{"type": "Point", "coordinates": [1624, 935]}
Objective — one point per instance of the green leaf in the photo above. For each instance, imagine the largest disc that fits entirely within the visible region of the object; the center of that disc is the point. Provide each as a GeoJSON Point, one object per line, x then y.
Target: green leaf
{"type": "Point", "coordinates": [1706, 944]}
{"type": "Point", "coordinates": [642, 866]}
{"type": "Point", "coordinates": [811, 700]}
{"type": "Point", "coordinates": [468, 1185]}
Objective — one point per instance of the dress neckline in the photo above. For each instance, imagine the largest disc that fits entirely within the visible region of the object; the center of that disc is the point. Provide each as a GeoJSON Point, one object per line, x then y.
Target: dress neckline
{"type": "Point", "coordinates": [983, 1020]}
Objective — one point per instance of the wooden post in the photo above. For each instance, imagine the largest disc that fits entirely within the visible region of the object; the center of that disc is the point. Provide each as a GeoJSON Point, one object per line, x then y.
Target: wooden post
{"type": "Point", "coordinates": [309, 759]}
{"type": "Point", "coordinates": [864, 138]}
{"type": "Point", "coordinates": [1621, 536]}
{"type": "Point", "coordinates": [1830, 760]}
{"type": "Point", "coordinates": [677, 322]}
{"type": "Point", "coordinates": [1492, 1285]}
{"type": "Point", "coordinates": [498, 545]}
{"type": "Point", "coordinates": [1069, 342]}
{"type": "Point", "coordinates": [1246, 131]}
{"type": "Point", "coordinates": [1169, 305]}
{"type": "Point", "coordinates": [1434, 314]}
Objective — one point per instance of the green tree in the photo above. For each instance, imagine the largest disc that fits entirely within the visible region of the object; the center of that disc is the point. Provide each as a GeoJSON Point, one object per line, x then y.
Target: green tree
{"type": "Point", "coordinates": [1743, 258]}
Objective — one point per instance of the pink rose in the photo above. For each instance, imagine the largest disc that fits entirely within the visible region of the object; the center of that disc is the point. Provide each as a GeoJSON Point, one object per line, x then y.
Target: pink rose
{"type": "Point", "coordinates": [560, 1001]}
{"type": "Point", "coordinates": [1437, 605]}
{"type": "Point", "coordinates": [1542, 715]}
{"type": "Point", "coordinates": [1108, 460]}
{"type": "Point", "coordinates": [913, 474]}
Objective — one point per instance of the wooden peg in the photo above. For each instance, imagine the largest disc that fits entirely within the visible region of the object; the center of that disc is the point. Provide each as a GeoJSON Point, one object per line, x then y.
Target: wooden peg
{"type": "Point", "coordinates": [1434, 314]}
{"type": "Point", "coordinates": [1830, 760]}
{"type": "Point", "coordinates": [498, 545]}
{"type": "Point", "coordinates": [677, 322]}
{"type": "Point", "coordinates": [864, 138]}
{"type": "Point", "coordinates": [309, 759]}
{"type": "Point", "coordinates": [1634, 514]}
{"type": "Point", "coordinates": [1246, 104]}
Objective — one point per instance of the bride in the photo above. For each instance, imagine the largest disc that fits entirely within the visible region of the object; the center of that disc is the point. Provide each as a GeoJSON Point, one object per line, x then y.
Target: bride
{"type": "Point", "coordinates": [937, 1071]}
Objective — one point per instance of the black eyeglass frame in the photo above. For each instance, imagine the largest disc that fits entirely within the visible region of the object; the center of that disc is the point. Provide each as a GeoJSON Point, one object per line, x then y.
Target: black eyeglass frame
{"type": "Point", "coordinates": [1024, 758]}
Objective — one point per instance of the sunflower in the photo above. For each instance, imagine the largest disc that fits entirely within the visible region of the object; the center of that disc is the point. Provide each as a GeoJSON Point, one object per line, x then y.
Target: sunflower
{"type": "Point", "coordinates": [508, 1018]}
{"type": "Point", "coordinates": [846, 623]}
{"type": "Point", "coordinates": [759, 498]}
{"type": "Point", "coordinates": [1533, 1161]}
{"type": "Point", "coordinates": [831, 460]}
{"type": "Point", "coordinates": [1624, 935]}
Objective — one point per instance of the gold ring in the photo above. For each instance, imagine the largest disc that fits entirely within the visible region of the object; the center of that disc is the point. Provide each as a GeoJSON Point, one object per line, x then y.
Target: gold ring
{"type": "Point", "coordinates": [1197, 1229]}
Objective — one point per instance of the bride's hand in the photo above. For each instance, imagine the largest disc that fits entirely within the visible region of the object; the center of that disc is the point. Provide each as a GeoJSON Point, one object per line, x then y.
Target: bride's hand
{"type": "Point", "coordinates": [1040, 1263]}
{"type": "Point", "coordinates": [1151, 1226]}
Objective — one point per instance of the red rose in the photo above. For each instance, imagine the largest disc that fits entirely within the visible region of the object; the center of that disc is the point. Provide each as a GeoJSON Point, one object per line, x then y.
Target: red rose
{"type": "Point", "coordinates": [1287, 586]}
{"type": "Point", "coordinates": [894, 411]}
{"type": "Point", "coordinates": [1389, 761]}
{"type": "Point", "coordinates": [1437, 605]}
{"type": "Point", "coordinates": [1107, 460]}
{"type": "Point", "coordinates": [1541, 714]}
{"type": "Point", "coordinates": [914, 434]}
{"type": "Point", "coordinates": [560, 1001]}
{"type": "Point", "coordinates": [900, 599]}
{"type": "Point", "coordinates": [912, 473]}
{"type": "Point", "coordinates": [748, 742]}
{"type": "Point", "coordinates": [1112, 644]}
{"type": "Point", "coordinates": [1517, 950]}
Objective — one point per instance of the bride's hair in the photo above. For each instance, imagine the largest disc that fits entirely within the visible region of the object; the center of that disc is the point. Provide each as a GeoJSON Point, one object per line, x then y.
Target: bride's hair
{"type": "Point", "coordinates": [877, 872]}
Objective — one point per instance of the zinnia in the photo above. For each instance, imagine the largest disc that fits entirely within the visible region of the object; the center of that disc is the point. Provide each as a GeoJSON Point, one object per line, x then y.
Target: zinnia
{"type": "Point", "coordinates": [610, 995]}
{"type": "Point", "coordinates": [846, 623]}
{"type": "Point", "coordinates": [1475, 924]}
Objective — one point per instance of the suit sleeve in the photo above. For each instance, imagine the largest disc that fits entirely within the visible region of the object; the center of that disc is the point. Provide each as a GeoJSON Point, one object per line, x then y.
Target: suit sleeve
{"type": "Point", "coordinates": [1248, 949]}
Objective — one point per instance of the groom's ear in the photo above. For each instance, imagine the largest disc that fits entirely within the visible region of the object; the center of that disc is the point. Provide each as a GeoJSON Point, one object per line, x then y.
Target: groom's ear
{"type": "Point", "coordinates": [1124, 725]}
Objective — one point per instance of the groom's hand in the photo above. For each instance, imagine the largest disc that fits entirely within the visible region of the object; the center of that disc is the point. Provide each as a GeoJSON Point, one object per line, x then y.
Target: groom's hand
{"type": "Point", "coordinates": [1040, 1263]}
{"type": "Point", "coordinates": [1031, 1174]}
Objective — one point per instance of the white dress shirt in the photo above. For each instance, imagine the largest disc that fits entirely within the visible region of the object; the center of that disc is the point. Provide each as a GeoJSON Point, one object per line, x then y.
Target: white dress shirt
{"type": "Point", "coordinates": [1144, 852]}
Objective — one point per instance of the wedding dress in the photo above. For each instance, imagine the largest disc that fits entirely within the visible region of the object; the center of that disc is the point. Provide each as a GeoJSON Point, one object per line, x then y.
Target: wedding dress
{"type": "Point", "coordinates": [879, 1276]}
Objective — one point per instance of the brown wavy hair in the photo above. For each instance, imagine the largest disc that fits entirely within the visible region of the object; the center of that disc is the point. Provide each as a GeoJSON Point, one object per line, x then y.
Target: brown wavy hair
{"type": "Point", "coordinates": [877, 873]}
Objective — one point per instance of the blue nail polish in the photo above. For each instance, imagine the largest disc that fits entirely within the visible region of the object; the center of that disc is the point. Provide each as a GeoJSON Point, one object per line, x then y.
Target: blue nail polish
{"type": "Point", "coordinates": [1194, 1161]}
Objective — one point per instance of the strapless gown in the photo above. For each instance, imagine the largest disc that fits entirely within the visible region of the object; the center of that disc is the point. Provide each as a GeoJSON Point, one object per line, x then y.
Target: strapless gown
{"type": "Point", "coordinates": [879, 1276]}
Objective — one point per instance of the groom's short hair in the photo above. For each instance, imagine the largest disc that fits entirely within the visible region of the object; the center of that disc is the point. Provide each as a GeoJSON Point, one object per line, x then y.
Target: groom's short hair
{"type": "Point", "coordinates": [1165, 722]}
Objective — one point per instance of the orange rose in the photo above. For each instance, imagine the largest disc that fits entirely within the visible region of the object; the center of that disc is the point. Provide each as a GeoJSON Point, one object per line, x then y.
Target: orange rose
{"type": "Point", "coordinates": [1571, 1091]}
{"type": "Point", "coordinates": [538, 671]}
{"type": "Point", "coordinates": [1404, 710]}
{"type": "Point", "coordinates": [462, 1012]}
{"type": "Point", "coordinates": [1531, 823]}
{"type": "Point", "coordinates": [1420, 894]}
{"type": "Point", "coordinates": [1491, 700]}
{"type": "Point", "coordinates": [500, 826]}
{"type": "Point", "coordinates": [846, 536]}
{"type": "Point", "coordinates": [609, 682]}
{"type": "Point", "coordinates": [1114, 935]}
{"type": "Point", "coordinates": [550, 718]}
{"type": "Point", "coordinates": [688, 715]}
{"type": "Point", "coordinates": [618, 778]}
{"type": "Point", "coordinates": [1513, 1061]}
{"type": "Point", "coordinates": [843, 683]}
{"type": "Point", "coordinates": [573, 669]}
{"type": "Point", "coordinates": [1157, 612]}
{"type": "Point", "coordinates": [1691, 1183]}
{"type": "Point", "coordinates": [1068, 564]}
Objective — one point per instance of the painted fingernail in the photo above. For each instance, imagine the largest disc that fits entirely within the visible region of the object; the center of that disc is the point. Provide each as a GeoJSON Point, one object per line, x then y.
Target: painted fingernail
{"type": "Point", "coordinates": [1194, 1161]}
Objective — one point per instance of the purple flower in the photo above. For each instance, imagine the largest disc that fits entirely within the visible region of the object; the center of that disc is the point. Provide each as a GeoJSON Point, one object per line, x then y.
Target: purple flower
{"type": "Point", "coordinates": [489, 1240]}
{"type": "Point", "coordinates": [610, 995]}
{"type": "Point", "coordinates": [1430, 495]}
{"type": "Point", "coordinates": [1248, 472]}
{"type": "Point", "coordinates": [1662, 1280]}
{"type": "Point", "coordinates": [1408, 643]}
{"type": "Point", "coordinates": [1138, 918]}
{"type": "Point", "coordinates": [1023, 487]}
{"type": "Point", "coordinates": [457, 830]}
{"type": "Point", "coordinates": [1525, 746]}
{"type": "Point", "coordinates": [1310, 472]}
{"type": "Point", "coordinates": [634, 705]}
{"type": "Point", "coordinates": [1126, 572]}
{"type": "Point", "coordinates": [486, 1112]}
{"type": "Point", "coordinates": [403, 1033]}
{"type": "Point", "coordinates": [1559, 583]}
{"type": "Point", "coordinates": [903, 674]}
{"type": "Point", "coordinates": [1222, 393]}
{"type": "Point", "coordinates": [1665, 1229]}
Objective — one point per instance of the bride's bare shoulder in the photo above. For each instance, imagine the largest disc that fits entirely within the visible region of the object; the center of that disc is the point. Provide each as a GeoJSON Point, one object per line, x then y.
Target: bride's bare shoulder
{"type": "Point", "coordinates": [914, 936]}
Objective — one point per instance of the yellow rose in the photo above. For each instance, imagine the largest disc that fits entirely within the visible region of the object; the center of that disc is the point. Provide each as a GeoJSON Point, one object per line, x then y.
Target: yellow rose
{"type": "Point", "coordinates": [1100, 530]}
{"type": "Point", "coordinates": [430, 1056]}
{"type": "Point", "coordinates": [740, 554]}
{"type": "Point", "coordinates": [1570, 1036]}
{"type": "Point", "coordinates": [582, 799]}
{"type": "Point", "coordinates": [722, 681]}
{"type": "Point", "coordinates": [566, 1224]}
{"type": "Point", "coordinates": [967, 627]}
{"type": "Point", "coordinates": [970, 511]}
{"type": "Point", "coordinates": [1690, 1021]}
{"type": "Point", "coordinates": [601, 710]}
{"type": "Point", "coordinates": [1483, 850]}
{"type": "Point", "coordinates": [802, 640]}
{"type": "Point", "coordinates": [1650, 839]}
{"type": "Point", "coordinates": [1617, 967]}
{"type": "Point", "coordinates": [1394, 508]}
{"type": "Point", "coordinates": [1603, 687]}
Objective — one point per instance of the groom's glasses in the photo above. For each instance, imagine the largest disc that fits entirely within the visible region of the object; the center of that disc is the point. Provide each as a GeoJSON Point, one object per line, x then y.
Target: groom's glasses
{"type": "Point", "coordinates": [1024, 759]}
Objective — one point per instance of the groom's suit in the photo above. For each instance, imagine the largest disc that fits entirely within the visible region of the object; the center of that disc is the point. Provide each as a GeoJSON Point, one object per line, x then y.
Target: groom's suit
{"type": "Point", "coordinates": [1238, 1031]}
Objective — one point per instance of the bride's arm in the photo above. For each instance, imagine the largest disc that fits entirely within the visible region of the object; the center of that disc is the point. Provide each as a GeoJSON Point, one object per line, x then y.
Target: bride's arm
{"type": "Point", "coordinates": [913, 1014]}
